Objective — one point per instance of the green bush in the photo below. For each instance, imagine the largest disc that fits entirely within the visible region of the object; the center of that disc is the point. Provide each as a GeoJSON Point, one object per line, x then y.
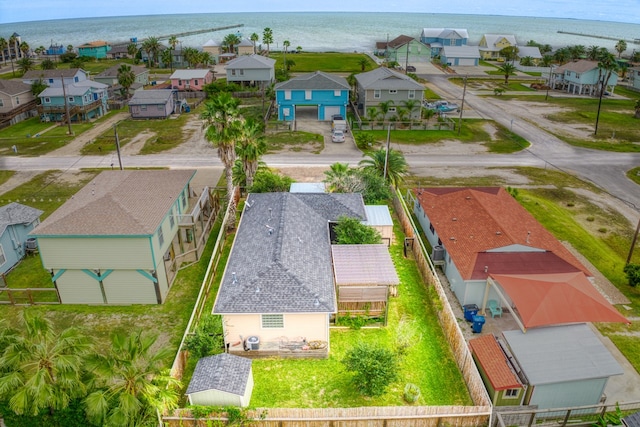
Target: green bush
{"type": "Point", "coordinates": [411, 393]}
{"type": "Point", "coordinates": [267, 181]}
{"type": "Point", "coordinates": [633, 274]}
{"type": "Point", "coordinates": [374, 368]}
{"type": "Point", "coordinates": [350, 231]}
{"type": "Point", "coordinates": [208, 338]}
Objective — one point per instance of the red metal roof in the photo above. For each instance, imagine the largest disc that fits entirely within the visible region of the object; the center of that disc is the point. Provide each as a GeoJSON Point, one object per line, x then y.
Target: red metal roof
{"type": "Point", "coordinates": [490, 356]}
{"type": "Point", "coordinates": [519, 263]}
{"type": "Point", "coordinates": [470, 221]}
{"type": "Point", "coordinates": [555, 299]}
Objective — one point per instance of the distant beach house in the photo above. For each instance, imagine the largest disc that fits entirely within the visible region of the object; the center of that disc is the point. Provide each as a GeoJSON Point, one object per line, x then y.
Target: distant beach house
{"type": "Point", "coordinates": [110, 75]}
{"type": "Point", "coordinates": [153, 104]}
{"type": "Point", "coordinates": [96, 49]}
{"type": "Point", "coordinates": [12, 50]}
{"type": "Point", "coordinates": [16, 221]}
{"type": "Point", "coordinates": [404, 49]}
{"type": "Point", "coordinates": [581, 77]}
{"type": "Point", "coordinates": [327, 93]}
{"type": "Point", "coordinates": [191, 80]}
{"type": "Point", "coordinates": [251, 69]}
{"type": "Point", "coordinates": [55, 49]}
{"type": "Point", "coordinates": [119, 51]}
{"type": "Point", "coordinates": [213, 48]}
{"type": "Point", "coordinates": [82, 101]}
{"type": "Point", "coordinates": [437, 38]}
{"type": "Point", "coordinates": [532, 52]}
{"type": "Point", "coordinates": [122, 237]}
{"type": "Point", "coordinates": [17, 102]}
{"type": "Point", "coordinates": [55, 78]}
{"type": "Point", "coordinates": [384, 85]}
{"type": "Point", "coordinates": [491, 44]}
{"type": "Point", "coordinates": [460, 56]}
{"type": "Point", "coordinates": [245, 47]}
{"type": "Point", "coordinates": [634, 77]}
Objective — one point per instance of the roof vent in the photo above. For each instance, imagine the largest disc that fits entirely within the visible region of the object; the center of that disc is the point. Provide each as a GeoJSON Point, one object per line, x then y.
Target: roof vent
{"type": "Point", "coordinates": [468, 197]}
{"type": "Point", "coordinates": [454, 219]}
{"type": "Point", "coordinates": [316, 301]}
{"type": "Point", "coordinates": [528, 234]}
{"type": "Point", "coordinates": [498, 233]}
{"type": "Point", "coordinates": [486, 268]}
{"type": "Point", "coordinates": [452, 238]}
{"type": "Point", "coordinates": [234, 279]}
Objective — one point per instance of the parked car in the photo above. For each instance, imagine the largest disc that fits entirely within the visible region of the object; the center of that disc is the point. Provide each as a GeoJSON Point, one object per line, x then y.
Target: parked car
{"type": "Point", "coordinates": [336, 117]}
{"type": "Point", "coordinates": [339, 125]}
{"type": "Point", "coordinates": [337, 136]}
{"type": "Point", "coordinates": [411, 69]}
{"type": "Point", "coordinates": [441, 106]}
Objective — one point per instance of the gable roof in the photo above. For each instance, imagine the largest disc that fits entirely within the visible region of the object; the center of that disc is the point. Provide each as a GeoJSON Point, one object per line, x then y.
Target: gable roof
{"type": "Point", "coordinates": [251, 62]}
{"type": "Point", "coordinates": [223, 372]}
{"type": "Point", "coordinates": [245, 43]}
{"type": "Point", "coordinates": [129, 202]}
{"type": "Point", "coordinates": [147, 97]}
{"type": "Point", "coordinates": [95, 43]}
{"type": "Point", "coordinates": [190, 74]}
{"type": "Point", "coordinates": [561, 354]}
{"type": "Point", "coordinates": [579, 66]}
{"type": "Point", "coordinates": [494, 363]}
{"type": "Point", "coordinates": [386, 78]}
{"type": "Point", "coordinates": [113, 71]}
{"type": "Point", "coordinates": [317, 80]}
{"type": "Point", "coordinates": [493, 39]}
{"type": "Point", "coordinates": [16, 213]}
{"type": "Point", "coordinates": [74, 89]}
{"type": "Point", "coordinates": [14, 87]}
{"type": "Point", "coordinates": [461, 51]}
{"type": "Point", "coordinates": [445, 33]}
{"type": "Point", "coordinates": [210, 42]}
{"type": "Point", "coordinates": [280, 261]}
{"type": "Point", "coordinates": [470, 221]}
{"type": "Point", "coordinates": [363, 265]}
{"type": "Point", "coordinates": [531, 51]}
{"type": "Point", "coordinates": [399, 41]}
{"type": "Point", "coordinates": [52, 74]}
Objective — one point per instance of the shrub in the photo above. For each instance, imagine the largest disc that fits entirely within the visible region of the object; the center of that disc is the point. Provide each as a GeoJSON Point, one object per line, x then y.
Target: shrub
{"type": "Point", "coordinates": [374, 368]}
{"type": "Point", "coordinates": [267, 181]}
{"type": "Point", "coordinates": [411, 393]}
{"type": "Point", "coordinates": [590, 219]}
{"type": "Point", "coordinates": [350, 231]}
{"type": "Point", "coordinates": [633, 274]}
{"type": "Point", "coordinates": [207, 339]}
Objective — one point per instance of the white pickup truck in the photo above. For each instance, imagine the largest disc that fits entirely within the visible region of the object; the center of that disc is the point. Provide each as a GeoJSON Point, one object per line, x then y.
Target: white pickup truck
{"type": "Point", "coordinates": [339, 123]}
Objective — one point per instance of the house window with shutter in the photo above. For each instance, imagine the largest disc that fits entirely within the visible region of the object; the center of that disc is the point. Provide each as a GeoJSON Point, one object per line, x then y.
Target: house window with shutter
{"type": "Point", "coordinates": [337, 92]}
{"type": "Point", "coordinates": [3, 258]}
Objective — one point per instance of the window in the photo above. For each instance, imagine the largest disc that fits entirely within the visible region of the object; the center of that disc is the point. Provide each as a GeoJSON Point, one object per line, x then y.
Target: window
{"type": "Point", "coordinates": [160, 107]}
{"type": "Point", "coordinates": [376, 93]}
{"type": "Point", "coordinates": [337, 92]}
{"type": "Point", "coordinates": [393, 91]}
{"type": "Point", "coordinates": [143, 108]}
{"type": "Point", "coordinates": [307, 94]}
{"type": "Point", "coordinates": [242, 72]}
{"type": "Point", "coordinates": [392, 109]}
{"type": "Point", "coordinates": [1, 103]}
{"type": "Point", "coordinates": [160, 236]}
{"type": "Point", "coordinates": [70, 98]}
{"type": "Point", "coordinates": [172, 220]}
{"type": "Point", "coordinates": [183, 200]}
{"type": "Point", "coordinates": [287, 94]}
{"type": "Point", "coordinates": [50, 81]}
{"type": "Point", "coordinates": [512, 392]}
{"type": "Point", "coordinates": [412, 94]}
{"type": "Point", "coordinates": [3, 258]}
{"type": "Point", "coordinates": [233, 72]}
{"type": "Point", "coordinates": [17, 100]}
{"type": "Point", "coordinates": [272, 321]}
{"type": "Point", "coordinates": [431, 229]}
{"type": "Point", "coordinates": [439, 241]}
{"type": "Point", "coordinates": [179, 82]}
{"type": "Point", "coordinates": [195, 82]}
{"type": "Point", "coordinates": [75, 79]}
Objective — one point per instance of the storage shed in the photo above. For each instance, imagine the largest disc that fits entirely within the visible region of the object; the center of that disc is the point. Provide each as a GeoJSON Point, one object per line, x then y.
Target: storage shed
{"type": "Point", "coordinates": [221, 380]}
{"type": "Point", "coordinates": [379, 217]}
{"type": "Point", "coordinates": [364, 277]}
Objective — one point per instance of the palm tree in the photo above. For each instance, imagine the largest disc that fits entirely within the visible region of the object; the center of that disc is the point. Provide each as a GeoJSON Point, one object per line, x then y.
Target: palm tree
{"type": "Point", "coordinates": [285, 45]}
{"type": "Point", "coordinates": [132, 48]}
{"type": "Point", "coordinates": [13, 40]}
{"type": "Point", "coordinates": [3, 46]}
{"type": "Point", "coordinates": [70, 48]}
{"type": "Point", "coordinates": [190, 55]}
{"type": "Point", "coordinates": [507, 69]}
{"type": "Point", "coordinates": [411, 105]}
{"type": "Point", "coordinates": [394, 162]}
{"type": "Point", "coordinates": [620, 47]}
{"type": "Point", "coordinates": [42, 369]}
{"type": "Point", "coordinates": [267, 38]}
{"type": "Point", "coordinates": [152, 47]}
{"type": "Point", "coordinates": [37, 87]}
{"type": "Point", "coordinates": [364, 63]}
{"type": "Point", "coordinates": [577, 51]}
{"type": "Point", "coordinates": [230, 41]}
{"type": "Point", "coordinates": [24, 48]}
{"type": "Point", "coordinates": [428, 113]}
{"type": "Point", "coordinates": [562, 55]}
{"type": "Point", "coordinates": [25, 64]}
{"type": "Point", "coordinates": [132, 385]}
{"type": "Point", "coordinates": [167, 58]}
{"type": "Point", "coordinates": [254, 39]}
{"type": "Point", "coordinates": [340, 178]}
{"type": "Point", "coordinates": [251, 145]}
{"type": "Point", "coordinates": [384, 107]}
{"type": "Point", "coordinates": [126, 78]}
{"type": "Point", "coordinates": [173, 42]}
{"type": "Point", "coordinates": [222, 120]}
{"type": "Point", "coordinates": [372, 115]}
{"type": "Point", "coordinates": [527, 61]}
{"type": "Point", "coordinates": [547, 60]}
{"type": "Point", "coordinates": [606, 67]}
{"type": "Point", "coordinates": [298, 49]}
{"type": "Point", "coordinates": [592, 52]}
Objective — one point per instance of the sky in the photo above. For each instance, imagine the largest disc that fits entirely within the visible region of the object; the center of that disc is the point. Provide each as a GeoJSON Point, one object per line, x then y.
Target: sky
{"type": "Point", "coordinates": [605, 10]}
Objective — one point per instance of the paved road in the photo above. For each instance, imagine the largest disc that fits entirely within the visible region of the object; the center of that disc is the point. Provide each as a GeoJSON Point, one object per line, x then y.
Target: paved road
{"type": "Point", "coordinates": [605, 169]}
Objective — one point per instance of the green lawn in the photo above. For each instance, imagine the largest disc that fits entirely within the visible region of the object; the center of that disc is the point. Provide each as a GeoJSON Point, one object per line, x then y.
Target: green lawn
{"type": "Point", "coordinates": [5, 175]}
{"type": "Point", "coordinates": [473, 131]}
{"type": "Point", "coordinates": [324, 383]}
{"type": "Point", "coordinates": [330, 62]}
{"type": "Point", "coordinates": [634, 175]}
{"type": "Point", "coordinates": [294, 141]}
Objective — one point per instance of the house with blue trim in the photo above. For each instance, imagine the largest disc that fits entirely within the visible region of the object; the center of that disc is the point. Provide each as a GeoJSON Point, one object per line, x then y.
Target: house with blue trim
{"type": "Point", "coordinates": [55, 78]}
{"type": "Point", "coordinates": [437, 38]}
{"type": "Point", "coordinates": [459, 56]}
{"type": "Point", "coordinates": [16, 221]}
{"type": "Point", "coordinates": [582, 77]}
{"type": "Point", "coordinates": [82, 101]}
{"type": "Point", "coordinates": [122, 237]}
{"type": "Point", "coordinates": [327, 94]}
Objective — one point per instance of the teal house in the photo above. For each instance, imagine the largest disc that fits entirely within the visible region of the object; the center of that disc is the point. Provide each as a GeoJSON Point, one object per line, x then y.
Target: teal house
{"type": "Point", "coordinates": [16, 221]}
{"type": "Point", "coordinates": [85, 100]}
{"type": "Point", "coordinates": [437, 38]}
{"type": "Point", "coordinates": [582, 77]}
{"type": "Point", "coordinates": [326, 94]}
{"type": "Point", "coordinates": [122, 238]}
{"type": "Point", "coordinates": [97, 49]}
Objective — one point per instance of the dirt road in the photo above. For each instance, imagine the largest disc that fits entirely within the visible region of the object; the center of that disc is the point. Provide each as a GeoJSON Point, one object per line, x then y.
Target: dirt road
{"type": "Point", "coordinates": [73, 148]}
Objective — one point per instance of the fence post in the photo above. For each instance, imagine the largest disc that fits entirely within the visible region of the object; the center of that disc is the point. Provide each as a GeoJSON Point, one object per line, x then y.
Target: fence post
{"type": "Point", "coordinates": [566, 418]}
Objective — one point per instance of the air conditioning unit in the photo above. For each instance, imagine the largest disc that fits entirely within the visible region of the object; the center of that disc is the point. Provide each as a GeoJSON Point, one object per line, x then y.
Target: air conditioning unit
{"type": "Point", "coordinates": [438, 253]}
{"type": "Point", "coordinates": [252, 343]}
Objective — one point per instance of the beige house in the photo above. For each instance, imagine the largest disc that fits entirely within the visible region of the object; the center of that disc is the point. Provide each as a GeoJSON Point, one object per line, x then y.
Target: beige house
{"type": "Point", "coordinates": [17, 103]}
{"type": "Point", "coordinates": [221, 380]}
{"type": "Point", "coordinates": [122, 238]}
{"type": "Point", "coordinates": [277, 294]}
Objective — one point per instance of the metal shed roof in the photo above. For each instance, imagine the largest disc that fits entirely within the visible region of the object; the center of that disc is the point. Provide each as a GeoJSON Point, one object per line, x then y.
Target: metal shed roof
{"type": "Point", "coordinates": [378, 215]}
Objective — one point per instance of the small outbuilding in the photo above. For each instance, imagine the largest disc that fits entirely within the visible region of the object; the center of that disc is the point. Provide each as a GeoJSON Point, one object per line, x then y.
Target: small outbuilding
{"type": "Point", "coordinates": [16, 221]}
{"type": "Point", "coordinates": [379, 217]}
{"type": "Point", "coordinates": [308, 187]}
{"type": "Point", "coordinates": [221, 380]}
{"type": "Point", "coordinates": [153, 104]}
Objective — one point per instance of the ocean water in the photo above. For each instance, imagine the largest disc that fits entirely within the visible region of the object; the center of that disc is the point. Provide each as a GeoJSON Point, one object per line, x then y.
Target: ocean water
{"type": "Point", "coordinates": [320, 31]}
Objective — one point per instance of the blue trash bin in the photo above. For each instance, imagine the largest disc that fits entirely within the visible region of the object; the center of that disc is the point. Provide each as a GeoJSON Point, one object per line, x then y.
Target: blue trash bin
{"type": "Point", "coordinates": [470, 310]}
{"type": "Point", "coordinates": [478, 321]}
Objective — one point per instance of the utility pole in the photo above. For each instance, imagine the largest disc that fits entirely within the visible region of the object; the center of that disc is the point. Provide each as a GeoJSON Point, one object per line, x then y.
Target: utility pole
{"type": "Point", "coordinates": [464, 92]}
{"type": "Point", "coordinates": [386, 156]}
{"type": "Point", "coordinates": [633, 243]}
{"type": "Point", "coordinates": [548, 82]}
{"type": "Point", "coordinates": [66, 105]}
{"type": "Point", "coordinates": [406, 59]}
{"type": "Point", "coordinates": [115, 130]}
{"type": "Point", "coordinates": [602, 86]}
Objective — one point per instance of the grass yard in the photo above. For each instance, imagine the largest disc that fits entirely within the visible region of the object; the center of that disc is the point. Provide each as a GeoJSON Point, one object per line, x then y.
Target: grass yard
{"type": "Point", "coordinates": [5, 176]}
{"type": "Point", "coordinates": [427, 363]}
{"type": "Point", "coordinates": [473, 131]}
{"type": "Point", "coordinates": [294, 141]}
{"type": "Point", "coordinates": [633, 175]}
{"type": "Point", "coordinates": [30, 137]}
{"type": "Point", "coordinates": [330, 62]}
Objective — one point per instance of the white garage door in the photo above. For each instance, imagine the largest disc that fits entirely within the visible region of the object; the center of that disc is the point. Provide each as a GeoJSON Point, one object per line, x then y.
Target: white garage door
{"type": "Point", "coordinates": [467, 61]}
{"type": "Point", "coordinates": [330, 111]}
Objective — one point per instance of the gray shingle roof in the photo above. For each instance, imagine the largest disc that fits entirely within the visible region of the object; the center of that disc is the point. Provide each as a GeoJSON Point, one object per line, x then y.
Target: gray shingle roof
{"type": "Point", "coordinates": [561, 353]}
{"type": "Point", "coordinates": [251, 62]}
{"type": "Point", "coordinates": [461, 51]}
{"type": "Point", "coordinates": [113, 71]}
{"type": "Point", "coordinates": [14, 87]}
{"type": "Point", "coordinates": [50, 74]}
{"type": "Point", "coordinates": [147, 97]}
{"type": "Point", "coordinates": [579, 66]}
{"type": "Point", "coordinates": [281, 260]}
{"type": "Point", "coordinates": [74, 89]}
{"type": "Point", "coordinates": [129, 202]}
{"type": "Point", "coordinates": [16, 213]}
{"type": "Point", "coordinates": [385, 78]}
{"type": "Point", "coordinates": [190, 74]}
{"type": "Point", "coordinates": [318, 80]}
{"type": "Point", "coordinates": [224, 372]}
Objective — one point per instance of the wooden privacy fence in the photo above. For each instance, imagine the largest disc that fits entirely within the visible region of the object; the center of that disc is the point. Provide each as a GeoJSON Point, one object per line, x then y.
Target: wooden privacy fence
{"type": "Point", "coordinates": [373, 416]}
{"type": "Point", "coordinates": [29, 296]}
{"type": "Point", "coordinates": [447, 318]}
